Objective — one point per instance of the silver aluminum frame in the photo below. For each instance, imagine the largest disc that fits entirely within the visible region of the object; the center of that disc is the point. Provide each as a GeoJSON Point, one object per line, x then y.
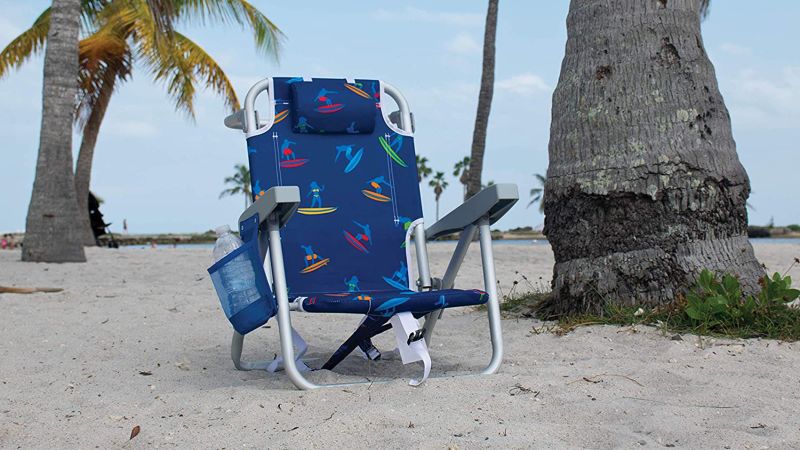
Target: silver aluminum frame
{"type": "Point", "coordinates": [482, 227]}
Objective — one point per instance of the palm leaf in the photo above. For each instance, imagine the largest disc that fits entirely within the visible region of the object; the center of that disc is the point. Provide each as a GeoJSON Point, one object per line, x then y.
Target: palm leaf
{"type": "Point", "coordinates": [268, 37]}
{"type": "Point", "coordinates": [27, 44]}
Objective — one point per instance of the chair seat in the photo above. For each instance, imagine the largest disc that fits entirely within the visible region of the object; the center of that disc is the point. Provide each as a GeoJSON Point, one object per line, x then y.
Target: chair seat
{"type": "Point", "coordinates": [389, 303]}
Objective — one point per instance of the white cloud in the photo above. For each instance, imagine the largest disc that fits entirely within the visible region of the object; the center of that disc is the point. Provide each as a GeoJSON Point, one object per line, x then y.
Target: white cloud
{"type": "Point", "coordinates": [412, 14]}
{"type": "Point", "coordinates": [131, 128]}
{"type": "Point", "coordinates": [766, 100]}
{"type": "Point", "coordinates": [463, 44]}
{"type": "Point", "coordinates": [736, 49]}
{"type": "Point", "coordinates": [524, 84]}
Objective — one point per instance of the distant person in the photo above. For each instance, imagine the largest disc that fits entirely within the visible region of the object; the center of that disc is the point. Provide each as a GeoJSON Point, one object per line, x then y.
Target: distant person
{"type": "Point", "coordinates": [153, 244]}
{"type": "Point", "coordinates": [4, 242]}
{"type": "Point", "coordinates": [125, 226]}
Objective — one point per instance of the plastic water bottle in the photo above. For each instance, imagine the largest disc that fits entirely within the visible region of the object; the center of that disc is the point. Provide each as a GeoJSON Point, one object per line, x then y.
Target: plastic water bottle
{"type": "Point", "coordinates": [237, 275]}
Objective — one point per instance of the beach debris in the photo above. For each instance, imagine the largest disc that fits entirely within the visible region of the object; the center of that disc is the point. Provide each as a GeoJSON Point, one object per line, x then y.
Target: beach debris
{"type": "Point", "coordinates": [135, 432]}
{"type": "Point", "coordinates": [639, 312]}
{"type": "Point", "coordinates": [520, 389]}
{"type": "Point", "coordinates": [676, 337]}
{"type": "Point", "coordinates": [18, 290]}
{"type": "Point", "coordinates": [146, 373]}
{"type": "Point", "coordinates": [760, 425]}
{"type": "Point", "coordinates": [594, 379]}
{"type": "Point", "coordinates": [183, 365]}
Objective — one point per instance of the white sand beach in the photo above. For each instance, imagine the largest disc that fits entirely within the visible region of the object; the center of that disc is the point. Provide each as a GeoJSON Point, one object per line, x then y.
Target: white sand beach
{"type": "Point", "coordinates": [137, 338]}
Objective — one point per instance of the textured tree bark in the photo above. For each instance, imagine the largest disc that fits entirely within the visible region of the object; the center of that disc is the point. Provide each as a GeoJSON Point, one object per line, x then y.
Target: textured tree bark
{"type": "Point", "coordinates": [484, 102]}
{"type": "Point", "coordinates": [644, 186]}
{"type": "Point", "coordinates": [83, 167]}
{"type": "Point", "coordinates": [52, 228]}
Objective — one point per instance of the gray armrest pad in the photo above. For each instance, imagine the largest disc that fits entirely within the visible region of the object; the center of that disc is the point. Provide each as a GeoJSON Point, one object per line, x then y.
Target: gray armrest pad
{"type": "Point", "coordinates": [281, 199]}
{"type": "Point", "coordinates": [493, 201]}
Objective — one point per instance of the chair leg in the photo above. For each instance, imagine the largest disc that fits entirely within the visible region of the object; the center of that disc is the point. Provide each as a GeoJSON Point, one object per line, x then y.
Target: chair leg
{"type": "Point", "coordinates": [281, 294]}
{"type": "Point", "coordinates": [467, 235]}
{"type": "Point", "coordinates": [493, 305]}
{"type": "Point", "coordinates": [237, 342]}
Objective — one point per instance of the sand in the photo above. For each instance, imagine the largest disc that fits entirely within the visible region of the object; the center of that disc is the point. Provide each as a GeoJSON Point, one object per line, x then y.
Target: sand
{"type": "Point", "coordinates": [137, 339]}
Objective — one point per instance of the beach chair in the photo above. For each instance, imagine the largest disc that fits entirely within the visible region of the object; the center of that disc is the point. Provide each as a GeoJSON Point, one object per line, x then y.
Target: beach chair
{"type": "Point", "coordinates": [336, 210]}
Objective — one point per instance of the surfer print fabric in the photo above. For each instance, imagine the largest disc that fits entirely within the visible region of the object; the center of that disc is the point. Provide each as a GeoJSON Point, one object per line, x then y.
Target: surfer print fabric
{"type": "Point", "coordinates": [332, 107]}
{"type": "Point", "coordinates": [344, 249]}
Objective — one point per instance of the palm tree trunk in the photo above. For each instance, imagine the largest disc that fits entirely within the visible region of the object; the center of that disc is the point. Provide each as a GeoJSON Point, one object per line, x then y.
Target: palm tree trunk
{"type": "Point", "coordinates": [83, 168]}
{"type": "Point", "coordinates": [644, 186]}
{"type": "Point", "coordinates": [52, 228]}
{"type": "Point", "coordinates": [484, 102]}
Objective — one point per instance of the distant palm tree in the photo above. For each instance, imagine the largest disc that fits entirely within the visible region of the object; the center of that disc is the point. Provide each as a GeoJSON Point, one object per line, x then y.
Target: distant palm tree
{"type": "Point", "coordinates": [439, 184]}
{"type": "Point", "coordinates": [537, 193]}
{"type": "Point", "coordinates": [123, 31]}
{"type": "Point", "coordinates": [484, 101]}
{"type": "Point", "coordinates": [240, 184]}
{"type": "Point", "coordinates": [53, 223]}
{"type": "Point", "coordinates": [461, 170]}
{"type": "Point", "coordinates": [423, 171]}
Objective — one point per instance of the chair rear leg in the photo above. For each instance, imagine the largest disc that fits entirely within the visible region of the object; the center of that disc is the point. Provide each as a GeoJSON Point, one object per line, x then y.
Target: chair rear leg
{"type": "Point", "coordinates": [493, 305]}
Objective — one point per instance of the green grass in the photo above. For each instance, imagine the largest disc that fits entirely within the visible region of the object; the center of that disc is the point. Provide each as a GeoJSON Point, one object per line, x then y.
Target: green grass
{"type": "Point", "coordinates": [715, 306]}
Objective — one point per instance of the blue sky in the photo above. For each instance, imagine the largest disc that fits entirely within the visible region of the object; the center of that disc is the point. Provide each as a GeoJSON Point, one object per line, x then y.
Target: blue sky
{"type": "Point", "coordinates": [164, 173]}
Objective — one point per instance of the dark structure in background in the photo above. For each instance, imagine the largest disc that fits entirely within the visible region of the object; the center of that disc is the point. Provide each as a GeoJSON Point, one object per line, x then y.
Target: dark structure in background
{"type": "Point", "coordinates": [99, 227]}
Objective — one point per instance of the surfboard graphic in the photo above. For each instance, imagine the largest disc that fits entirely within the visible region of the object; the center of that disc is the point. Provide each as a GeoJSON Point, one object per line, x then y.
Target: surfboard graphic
{"type": "Point", "coordinates": [395, 284]}
{"type": "Point", "coordinates": [329, 109]}
{"type": "Point", "coordinates": [292, 163]}
{"type": "Point", "coordinates": [372, 195]}
{"type": "Point", "coordinates": [388, 307]}
{"type": "Point", "coordinates": [280, 116]}
{"type": "Point", "coordinates": [357, 90]}
{"type": "Point", "coordinates": [339, 294]}
{"type": "Point", "coordinates": [390, 151]}
{"type": "Point", "coordinates": [317, 265]}
{"type": "Point", "coordinates": [354, 162]}
{"type": "Point", "coordinates": [316, 211]}
{"type": "Point", "coordinates": [355, 242]}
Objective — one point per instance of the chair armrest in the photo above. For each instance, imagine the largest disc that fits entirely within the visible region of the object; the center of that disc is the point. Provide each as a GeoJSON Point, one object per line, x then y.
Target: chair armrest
{"type": "Point", "coordinates": [282, 200]}
{"type": "Point", "coordinates": [494, 202]}
{"type": "Point", "coordinates": [236, 120]}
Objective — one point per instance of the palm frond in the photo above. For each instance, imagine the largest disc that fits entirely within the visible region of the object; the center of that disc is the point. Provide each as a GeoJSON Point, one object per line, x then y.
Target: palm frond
{"type": "Point", "coordinates": [268, 37]}
{"type": "Point", "coordinates": [27, 44]}
{"type": "Point", "coordinates": [105, 58]}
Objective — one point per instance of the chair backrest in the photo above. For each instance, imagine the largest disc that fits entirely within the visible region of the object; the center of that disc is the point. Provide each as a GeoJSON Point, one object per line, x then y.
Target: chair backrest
{"type": "Point", "coordinates": [358, 183]}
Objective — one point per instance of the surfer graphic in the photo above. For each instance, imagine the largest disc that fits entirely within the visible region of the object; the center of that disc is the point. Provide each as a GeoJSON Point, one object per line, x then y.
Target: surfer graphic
{"type": "Point", "coordinates": [322, 96]}
{"type": "Point", "coordinates": [377, 184]}
{"type": "Point", "coordinates": [352, 159]}
{"type": "Point", "coordinates": [366, 233]}
{"type": "Point", "coordinates": [286, 150]}
{"type": "Point", "coordinates": [352, 284]}
{"type": "Point", "coordinates": [315, 191]}
{"type": "Point", "coordinates": [311, 257]}
{"type": "Point", "coordinates": [303, 125]}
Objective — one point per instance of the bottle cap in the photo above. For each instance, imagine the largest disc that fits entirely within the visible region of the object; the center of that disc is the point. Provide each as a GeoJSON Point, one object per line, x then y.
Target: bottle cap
{"type": "Point", "coordinates": [222, 229]}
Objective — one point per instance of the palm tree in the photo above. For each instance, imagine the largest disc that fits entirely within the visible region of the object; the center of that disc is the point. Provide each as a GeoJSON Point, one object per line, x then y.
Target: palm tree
{"type": "Point", "coordinates": [484, 102]}
{"type": "Point", "coordinates": [240, 184]}
{"type": "Point", "coordinates": [439, 184]}
{"type": "Point", "coordinates": [537, 193]}
{"type": "Point", "coordinates": [423, 171]}
{"type": "Point", "coordinates": [141, 30]}
{"type": "Point", "coordinates": [461, 170]}
{"type": "Point", "coordinates": [52, 225]}
{"type": "Point", "coordinates": [644, 187]}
